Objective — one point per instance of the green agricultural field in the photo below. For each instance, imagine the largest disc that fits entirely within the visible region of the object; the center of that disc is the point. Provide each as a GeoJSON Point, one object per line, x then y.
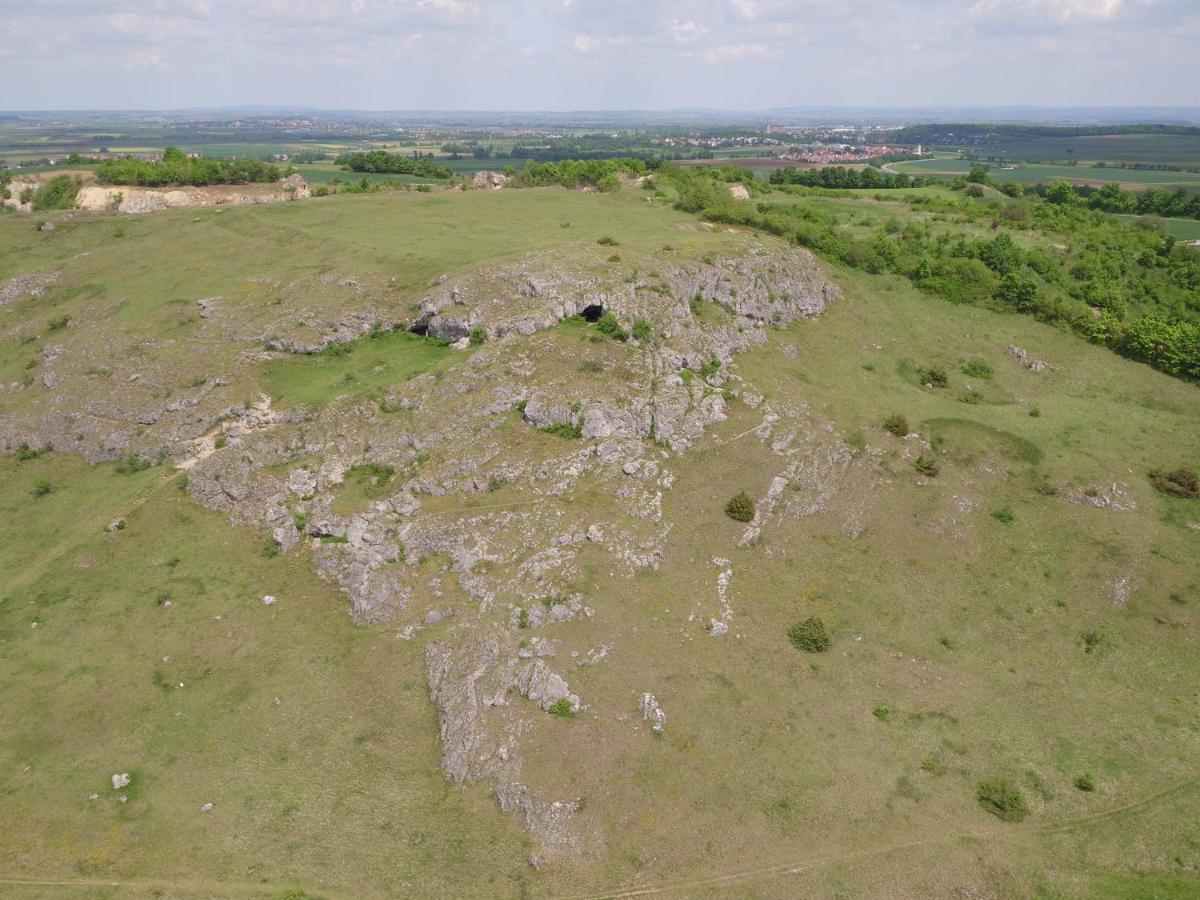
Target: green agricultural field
{"type": "Point", "coordinates": [327, 172]}
{"type": "Point", "coordinates": [1172, 149]}
{"type": "Point", "coordinates": [1030, 173]}
{"type": "Point", "coordinates": [1007, 598]}
{"type": "Point", "coordinates": [1182, 229]}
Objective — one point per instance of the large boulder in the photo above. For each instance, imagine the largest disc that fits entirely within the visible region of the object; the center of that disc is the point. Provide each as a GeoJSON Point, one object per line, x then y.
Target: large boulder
{"type": "Point", "coordinates": [489, 180]}
{"type": "Point", "coordinates": [295, 187]}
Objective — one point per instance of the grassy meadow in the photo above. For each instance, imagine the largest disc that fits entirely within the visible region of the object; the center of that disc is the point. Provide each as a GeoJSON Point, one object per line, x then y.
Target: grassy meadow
{"type": "Point", "coordinates": [981, 624]}
{"type": "Point", "coordinates": [148, 651]}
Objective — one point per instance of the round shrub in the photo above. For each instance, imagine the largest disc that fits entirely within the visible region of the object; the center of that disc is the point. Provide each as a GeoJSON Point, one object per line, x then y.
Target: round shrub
{"type": "Point", "coordinates": [740, 508]}
{"type": "Point", "coordinates": [810, 635]}
{"type": "Point", "coordinates": [897, 425]}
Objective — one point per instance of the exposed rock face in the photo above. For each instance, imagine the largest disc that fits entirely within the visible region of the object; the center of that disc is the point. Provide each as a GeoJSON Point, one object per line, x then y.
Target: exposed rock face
{"type": "Point", "coordinates": [738, 191]}
{"type": "Point", "coordinates": [134, 200]}
{"type": "Point", "coordinates": [1033, 365]}
{"type": "Point", "coordinates": [18, 188]}
{"type": "Point", "coordinates": [652, 712]}
{"type": "Point", "coordinates": [489, 180]}
{"type": "Point", "coordinates": [295, 187]}
{"type": "Point", "coordinates": [34, 285]}
{"type": "Point", "coordinates": [499, 581]}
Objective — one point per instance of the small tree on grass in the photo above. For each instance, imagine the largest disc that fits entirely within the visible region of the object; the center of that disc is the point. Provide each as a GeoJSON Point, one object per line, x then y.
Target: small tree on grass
{"type": "Point", "coordinates": [1002, 799]}
{"type": "Point", "coordinates": [740, 508]}
{"type": "Point", "coordinates": [810, 635]}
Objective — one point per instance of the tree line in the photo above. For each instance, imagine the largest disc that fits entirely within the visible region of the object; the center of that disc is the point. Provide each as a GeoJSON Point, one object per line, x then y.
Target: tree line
{"type": "Point", "coordinates": [841, 177]}
{"type": "Point", "coordinates": [383, 162]}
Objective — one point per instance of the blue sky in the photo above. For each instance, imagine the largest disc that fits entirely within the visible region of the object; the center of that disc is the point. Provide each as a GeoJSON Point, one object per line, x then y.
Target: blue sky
{"type": "Point", "coordinates": [597, 54]}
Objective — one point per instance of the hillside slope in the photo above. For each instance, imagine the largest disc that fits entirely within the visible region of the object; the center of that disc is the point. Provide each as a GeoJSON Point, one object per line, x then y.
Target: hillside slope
{"type": "Point", "coordinates": [568, 671]}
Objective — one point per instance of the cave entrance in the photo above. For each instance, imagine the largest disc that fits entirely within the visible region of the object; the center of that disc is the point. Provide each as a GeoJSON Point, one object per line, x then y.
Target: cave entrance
{"type": "Point", "coordinates": [593, 313]}
{"type": "Point", "coordinates": [421, 328]}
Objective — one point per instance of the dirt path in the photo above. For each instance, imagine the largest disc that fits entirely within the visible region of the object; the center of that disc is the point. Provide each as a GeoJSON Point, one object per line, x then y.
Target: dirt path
{"type": "Point", "coordinates": [795, 867]}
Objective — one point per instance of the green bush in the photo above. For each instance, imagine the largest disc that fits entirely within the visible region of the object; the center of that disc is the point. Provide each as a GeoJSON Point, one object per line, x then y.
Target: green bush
{"type": "Point", "coordinates": [57, 193]}
{"type": "Point", "coordinates": [607, 324]}
{"type": "Point", "coordinates": [607, 241]}
{"type": "Point", "coordinates": [882, 713]}
{"type": "Point", "coordinates": [740, 508]}
{"type": "Point", "coordinates": [810, 635]}
{"type": "Point", "coordinates": [58, 323]}
{"type": "Point", "coordinates": [935, 377]}
{"type": "Point", "coordinates": [478, 336]}
{"type": "Point", "coordinates": [1002, 799]}
{"type": "Point", "coordinates": [896, 424]}
{"type": "Point", "coordinates": [270, 546]}
{"type": "Point", "coordinates": [561, 708]}
{"type": "Point", "coordinates": [926, 465]}
{"type": "Point", "coordinates": [176, 167]}
{"type": "Point", "coordinates": [1180, 482]}
{"type": "Point", "coordinates": [1085, 783]}
{"type": "Point", "coordinates": [641, 331]}
{"type": "Point", "coordinates": [26, 453]}
{"type": "Point", "coordinates": [41, 487]}
{"type": "Point", "coordinates": [977, 368]}
{"type": "Point", "coordinates": [133, 463]}
{"type": "Point", "coordinates": [1004, 515]}
{"type": "Point", "coordinates": [563, 431]}
{"type": "Point", "coordinates": [376, 474]}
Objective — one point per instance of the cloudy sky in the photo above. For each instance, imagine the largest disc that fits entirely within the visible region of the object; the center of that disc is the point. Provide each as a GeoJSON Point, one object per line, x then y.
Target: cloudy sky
{"type": "Point", "coordinates": [596, 54]}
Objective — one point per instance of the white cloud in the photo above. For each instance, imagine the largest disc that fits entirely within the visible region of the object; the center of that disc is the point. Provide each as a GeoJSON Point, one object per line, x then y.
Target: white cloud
{"type": "Point", "coordinates": [585, 43]}
{"type": "Point", "coordinates": [728, 53]}
{"type": "Point", "coordinates": [686, 32]}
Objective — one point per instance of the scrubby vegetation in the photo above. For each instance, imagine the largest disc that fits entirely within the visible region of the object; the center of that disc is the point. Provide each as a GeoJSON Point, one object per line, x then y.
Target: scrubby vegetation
{"type": "Point", "coordinates": [1181, 482]}
{"type": "Point", "coordinates": [1130, 289]}
{"type": "Point", "coordinates": [603, 174]}
{"type": "Point", "coordinates": [1002, 798]}
{"type": "Point", "coordinates": [57, 193]}
{"type": "Point", "coordinates": [927, 465]}
{"type": "Point", "coordinates": [896, 424]}
{"type": "Point", "coordinates": [608, 325]}
{"type": "Point", "coordinates": [177, 168]}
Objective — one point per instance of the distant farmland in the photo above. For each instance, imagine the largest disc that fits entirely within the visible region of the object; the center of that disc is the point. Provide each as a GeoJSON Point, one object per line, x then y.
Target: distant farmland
{"type": "Point", "coordinates": [1035, 173]}
{"type": "Point", "coordinates": [1171, 149]}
